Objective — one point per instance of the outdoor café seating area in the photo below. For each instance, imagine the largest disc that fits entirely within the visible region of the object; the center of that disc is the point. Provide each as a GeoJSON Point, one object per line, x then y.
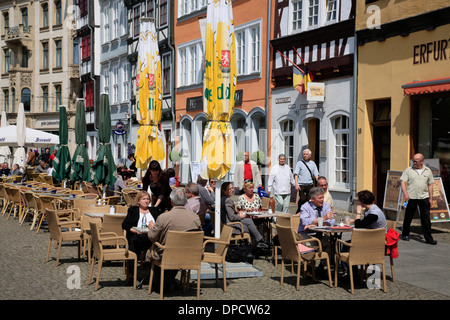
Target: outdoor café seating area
{"type": "Point", "coordinates": [84, 214]}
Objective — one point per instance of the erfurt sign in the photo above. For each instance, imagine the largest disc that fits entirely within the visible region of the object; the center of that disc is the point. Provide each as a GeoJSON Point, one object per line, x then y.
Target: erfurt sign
{"type": "Point", "coordinates": [426, 52]}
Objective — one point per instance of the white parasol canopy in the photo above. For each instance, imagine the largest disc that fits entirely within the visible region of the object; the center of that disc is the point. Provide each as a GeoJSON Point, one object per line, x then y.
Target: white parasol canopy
{"type": "Point", "coordinates": [20, 156]}
{"type": "Point", "coordinates": [33, 138]}
{"type": "Point", "coordinates": [5, 152]}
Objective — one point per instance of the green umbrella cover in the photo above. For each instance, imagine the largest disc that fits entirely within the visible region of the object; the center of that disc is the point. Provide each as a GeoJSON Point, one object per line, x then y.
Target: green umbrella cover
{"type": "Point", "coordinates": [104, 168]}
{"type": "Point", "coordinates": [61, 163]}
{"type": "Point", "coordinates": [80, 161]}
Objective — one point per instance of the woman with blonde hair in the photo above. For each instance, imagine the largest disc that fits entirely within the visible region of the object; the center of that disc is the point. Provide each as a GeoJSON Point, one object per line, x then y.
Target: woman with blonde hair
{"type": "Point", "coordinates": [139, 216]}
{"type": "Point", "coordinates": [249, 201]}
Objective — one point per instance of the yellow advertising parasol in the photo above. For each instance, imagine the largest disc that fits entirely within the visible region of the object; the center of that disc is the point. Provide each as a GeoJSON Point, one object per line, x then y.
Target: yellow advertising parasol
{"type": "Point", "coordinates": [219, 88]}
{"type": "Point", "coordinates": [218, 97]}
{"type": "Point", "coordinates": [149, 145]}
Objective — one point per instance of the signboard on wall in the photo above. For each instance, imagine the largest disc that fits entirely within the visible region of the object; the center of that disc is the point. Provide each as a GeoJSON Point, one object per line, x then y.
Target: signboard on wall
{"type": "Point", "coordinates": [316, 91]}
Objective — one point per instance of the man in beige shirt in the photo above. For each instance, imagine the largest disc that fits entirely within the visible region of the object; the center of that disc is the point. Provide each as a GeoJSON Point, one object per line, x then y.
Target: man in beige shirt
{"type": "Point", "coordinates": [178, 219]}
{"type": "Point", "coordinates": [323, 183]}
{"type": "Point", "coordinates": [417, 187]}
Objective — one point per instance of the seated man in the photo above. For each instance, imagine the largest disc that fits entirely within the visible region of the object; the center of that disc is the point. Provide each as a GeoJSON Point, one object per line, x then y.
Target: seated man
{"type": "Point", "coordinates": [4, 171]}
{"type": "Point", "coordinates": [179, 219]}
{"type": "Point", "coordinates": [41, 168]}
{"type": "Point", "coordinates": [194, 201]}
{"type": "Point", "coordinates": [309, 214]}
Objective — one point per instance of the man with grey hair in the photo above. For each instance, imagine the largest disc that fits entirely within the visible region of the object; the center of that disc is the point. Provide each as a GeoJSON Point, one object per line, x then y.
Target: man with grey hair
{"type": "Point", "coordinates": [310, 212]}
{"type": "Point", "coordinates": [306, 175]}
{"type": "Point", "coordinates": [279, 184]}
{"type": "Point", "coordinates": [194, 201]}
{"type": "Point", "coordinates": [177, 219]}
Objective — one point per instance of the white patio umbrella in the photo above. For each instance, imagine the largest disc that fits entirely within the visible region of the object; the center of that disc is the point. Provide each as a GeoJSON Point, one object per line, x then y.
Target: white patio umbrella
{"type": "Point", "coordinates": [20, 156]}
{"type": "Point", "coordinates": [5, 152]}
{"type": "Point", "coordinates": [33, 138]}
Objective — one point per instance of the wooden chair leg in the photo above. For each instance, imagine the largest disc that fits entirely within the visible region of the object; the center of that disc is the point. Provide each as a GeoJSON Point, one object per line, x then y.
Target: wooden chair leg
{"type": "Point", "coordinates": [48, 249]}
{"type": "Point", "coordinates": [151, 279]}
{"type": "Point", "coordinates": [99, 271]}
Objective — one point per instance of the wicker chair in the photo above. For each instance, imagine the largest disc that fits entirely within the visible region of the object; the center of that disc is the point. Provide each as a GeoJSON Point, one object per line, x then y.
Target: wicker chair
{"type": "Point", "coordinates": [4, 197]}
{"type": "Point", "coordinates": [16, 201]}
{"type": "Point", "coordinates": [220, 253]}
{"type": "Point", "coordinates": [129, 196]}
{"type": "Point", "coordinates": [52, 203]}
{"type": "Point", "coordinates": [290, 251]}
{"type": "Point", "coordinates": [112, 200]}
{"type": "Point", "coordinates": [55, 226]}
{"type": "Point", "coordinates": [117, 253]}
{"type": "Point", "coordinates": [113, 223]}
{"type": "Point", "coordinates": [88, 196]}
{"type": "Point", "coordinates": [30, 203]}
{"type": "Point", "coordinates": [88, 187]}
{"type": "Point", "coordinates": [286, 221]}
{"type": "Point", "coordinates": [367, 247]}
{"type": "Point", "coordinates": [182, 251]}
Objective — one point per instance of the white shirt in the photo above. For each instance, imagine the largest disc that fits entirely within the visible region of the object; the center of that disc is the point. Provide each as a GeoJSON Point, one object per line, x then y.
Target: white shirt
{"type": "Point", "coordinates": [280, 180]}
{"type": "Point", "coordinates": [144, 219]}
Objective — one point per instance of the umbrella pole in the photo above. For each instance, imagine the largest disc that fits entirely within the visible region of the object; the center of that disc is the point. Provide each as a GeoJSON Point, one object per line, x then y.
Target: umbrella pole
{"type": "Point", "coordinates": [217, 220]}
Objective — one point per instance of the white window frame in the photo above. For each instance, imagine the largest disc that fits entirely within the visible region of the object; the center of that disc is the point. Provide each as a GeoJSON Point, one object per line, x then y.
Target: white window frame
{"type": "Point", "coordinates": [106, 80]}
{"type": "Point", "coordinates": [322, 13]}
{"type": "Point", "coordinates": [247, 54]}
{"type": "Point", "coordinates": [189, 63]}
{"type": "Point", "coordinates": [125, 82]}
{"type": "Point", "coordinates": [337, 170]}
{"type": "Point", "coordinates": [115, 84]}
{"type": "Point", "coordinates": [106, 36]}
{"type": "Point", "coordinates": [186, 7]}
{"type": "Point", "coordinates": [115, 21]}
{"type": "Point", "coordinates": [288, 134]}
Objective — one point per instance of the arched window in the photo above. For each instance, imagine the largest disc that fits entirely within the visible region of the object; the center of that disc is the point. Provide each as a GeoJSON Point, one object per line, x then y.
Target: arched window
{"type": "Point", "coordinates": [287, 131]}
{"type": "Point", "coordinates": [26, 99]}
{"type": "Point", "coordinates": [341, 132]}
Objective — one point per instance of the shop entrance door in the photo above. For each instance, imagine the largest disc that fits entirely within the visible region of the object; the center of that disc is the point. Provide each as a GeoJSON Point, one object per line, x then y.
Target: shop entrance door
{"type": "Point", "coordinates": [313, 139]}
{"type": "Point", "coordinates": [381, 148]}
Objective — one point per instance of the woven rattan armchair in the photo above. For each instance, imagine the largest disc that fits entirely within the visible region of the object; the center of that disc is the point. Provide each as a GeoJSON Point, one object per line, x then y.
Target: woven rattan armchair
{"type": "Point", "coordinates": [367, 247]}
{"type": "Point", "coordinates": [218, 256]}
{"type": "Point", "coordinates": [16, 201]}
{"type": "Point", "coordinates": [290, 251]}
{"type": "Point", "coordinates": [55, 226]}
{"type": "Point", "coordinates": [119, 252]}
{"type": "Point", "coordinates": [182, 251]}
{"type": "Point", "coordinates": [129, 195]}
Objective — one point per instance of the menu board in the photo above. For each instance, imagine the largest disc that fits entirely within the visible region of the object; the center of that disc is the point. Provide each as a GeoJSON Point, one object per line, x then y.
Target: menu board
{"type": "Point", "coordinates": [392, 191]}
{"type": "Point", "coordinates": [439, 208]}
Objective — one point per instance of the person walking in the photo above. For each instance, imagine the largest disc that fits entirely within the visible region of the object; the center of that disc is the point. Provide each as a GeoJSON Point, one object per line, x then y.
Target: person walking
{"type": "Point", "coordinates": [417, 186]}
{"type": "Point", "coordinates": [305, 174]}
{"type": "Point", "coordinates": [279, 184]}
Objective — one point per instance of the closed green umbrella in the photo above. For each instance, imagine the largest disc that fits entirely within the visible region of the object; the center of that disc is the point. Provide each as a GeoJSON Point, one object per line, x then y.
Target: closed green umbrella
{"type": "Point", "coordinates": [81, 168]}
{"type": "Point", "coordinates": [61, 163]}
{"type": "Point", "coordinates": [104, 169]}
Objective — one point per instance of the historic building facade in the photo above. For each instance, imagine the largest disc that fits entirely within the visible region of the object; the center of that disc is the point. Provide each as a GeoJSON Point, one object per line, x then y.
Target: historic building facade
{"type": "Point", "coordinates": [403, 88]}
{"type": "Point", "coordinates": [39, 63]}
{"type": "Point", "coordinates": [319, 34]}
{"type": "Point", "coordinates": [251, 24]}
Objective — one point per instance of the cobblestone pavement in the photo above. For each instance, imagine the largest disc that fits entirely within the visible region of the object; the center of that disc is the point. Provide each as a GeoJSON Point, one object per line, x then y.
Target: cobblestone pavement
{"type": "Point", "coordinates": [24, 275]}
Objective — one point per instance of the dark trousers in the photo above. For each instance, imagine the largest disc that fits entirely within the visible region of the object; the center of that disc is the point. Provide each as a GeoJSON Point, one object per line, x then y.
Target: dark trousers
{"type": "Point", "coordinates": [424, 210]}
{"type": "Point", "coordinates": [137, 243]}
{"type": "Point", "coordinates": [303, 196]}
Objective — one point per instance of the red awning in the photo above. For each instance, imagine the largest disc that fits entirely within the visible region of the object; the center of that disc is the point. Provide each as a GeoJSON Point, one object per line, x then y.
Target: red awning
{"type": "Point", "coordinates": [427, 86]}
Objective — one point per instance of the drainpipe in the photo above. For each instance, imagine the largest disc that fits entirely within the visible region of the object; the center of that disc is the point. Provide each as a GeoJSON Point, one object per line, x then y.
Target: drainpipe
{"type": "Point", "coordinates": [268, 79]}
{"type": "Point", "coordinates": [354, 121]}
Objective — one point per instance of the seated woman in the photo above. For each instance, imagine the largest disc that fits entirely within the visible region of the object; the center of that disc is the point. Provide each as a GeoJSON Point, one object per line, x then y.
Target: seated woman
{"type": "Point", "coordinates": [138, 216]}
{"type": "Point", "coordinates": [374, 218]}
{"type": "Point", "coordinates": [228, 214]}
{"type": "Point", "coordinates": [249, 201]}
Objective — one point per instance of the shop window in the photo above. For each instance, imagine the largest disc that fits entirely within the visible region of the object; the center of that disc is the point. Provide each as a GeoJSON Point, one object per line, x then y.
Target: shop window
{"type": "Point", "coordinates": [431, 133]}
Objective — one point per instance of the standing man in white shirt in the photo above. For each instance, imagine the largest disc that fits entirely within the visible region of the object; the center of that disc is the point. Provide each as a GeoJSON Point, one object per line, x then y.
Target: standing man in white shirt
{"type": "Point", "coordinates": [279, 185]}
